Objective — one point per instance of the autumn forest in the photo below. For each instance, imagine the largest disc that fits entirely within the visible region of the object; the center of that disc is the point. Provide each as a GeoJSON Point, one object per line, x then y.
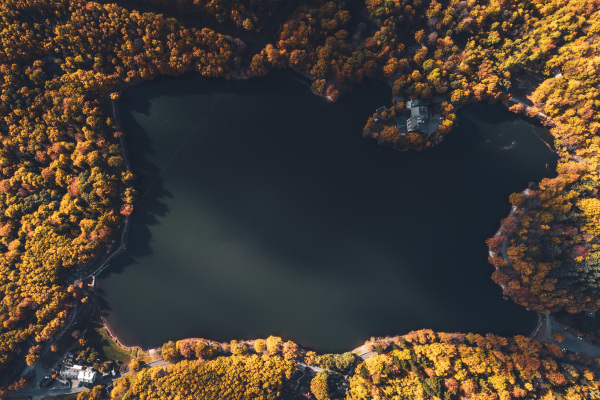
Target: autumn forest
{"type": "Point", "coordinates": [66, 190]}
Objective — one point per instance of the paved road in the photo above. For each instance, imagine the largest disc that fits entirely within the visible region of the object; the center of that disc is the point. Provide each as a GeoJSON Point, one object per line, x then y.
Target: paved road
{"type": "Point", "coordinates": [38, 393]}
{"type": "Point", "coordinates": [527, 106]}
{"type": "Point", "coordinates": [572, 343]}
{"type": "Point", "coordinates": [159, 363]}
{"type": "Point", "coordinates": [366, 355]}
{"type": "Point", "coordinates": [304, 366]}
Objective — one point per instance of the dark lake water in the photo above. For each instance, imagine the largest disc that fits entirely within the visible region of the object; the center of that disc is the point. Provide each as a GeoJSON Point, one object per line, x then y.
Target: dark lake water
{"type": "Point", "coordinates": [264, 211]}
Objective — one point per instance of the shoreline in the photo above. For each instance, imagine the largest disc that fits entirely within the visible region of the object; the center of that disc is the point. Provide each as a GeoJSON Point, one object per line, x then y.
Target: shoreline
{"type": "Point", "coordinates": [235, 77]}
{"type": "Point", "coordinates": [517, 212]}
{"type": "Point", "coordinates": [116, 339]}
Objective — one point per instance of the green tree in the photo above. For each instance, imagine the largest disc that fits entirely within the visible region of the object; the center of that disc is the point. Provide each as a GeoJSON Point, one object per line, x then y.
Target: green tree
{"type": "Point", "coordinates": [169, 351]}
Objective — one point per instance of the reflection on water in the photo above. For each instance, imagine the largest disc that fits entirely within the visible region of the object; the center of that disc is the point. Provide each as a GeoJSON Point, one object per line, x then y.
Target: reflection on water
{"type": "Point", "coordinates": [263, 211]}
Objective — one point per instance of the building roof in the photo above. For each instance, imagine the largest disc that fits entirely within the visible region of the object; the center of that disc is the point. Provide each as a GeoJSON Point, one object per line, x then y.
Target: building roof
{"type": "Point", "coordinates": [69, 372]}
{"type": "Point", "coordinates": [86, 376]}
{"type": "Point", "coordinates": [415, 103]}
{"type": "Point", "coordinates": [419, 111]}
{"type": "Point", "coordinates": [401, 124]}
{"type": "Point", "coordinates": [415, 124]}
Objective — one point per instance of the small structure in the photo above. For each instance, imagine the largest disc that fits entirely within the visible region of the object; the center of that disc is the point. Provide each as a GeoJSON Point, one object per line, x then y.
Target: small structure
{"type": "Point", "coordinates": [557, 73]}
{"type": "Point", "coordinates": [68, 359]}
{"type": "Point", "coordinates": [421, 119]}
{"type": "Point", "coordinates": [379, 111]}
{"type": "Point", "coordinates": [305, 392]}
{"type": "Point", "coordinates": [87, 375]}
{"type": "Point", "coordinates": [401, 124]}
{"type": "Point", "coordinates": [419, 116]}
{"type": "Point", "coordinates": [414, 103]}
{"type": "Point", "coordinates": [79, 373]}
{"type": "Point", "coordinates": [70, 372]}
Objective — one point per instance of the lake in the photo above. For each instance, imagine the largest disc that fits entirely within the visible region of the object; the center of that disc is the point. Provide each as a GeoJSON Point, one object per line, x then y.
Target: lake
{"type": "Point", "coordinates": [263, 211]}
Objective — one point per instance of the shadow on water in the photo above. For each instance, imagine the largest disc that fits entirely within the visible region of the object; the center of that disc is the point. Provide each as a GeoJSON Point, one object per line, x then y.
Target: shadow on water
{"type": "Point", "coordinates": [501, 114]}
{"type": "Point", "coordinates": [263, 211]}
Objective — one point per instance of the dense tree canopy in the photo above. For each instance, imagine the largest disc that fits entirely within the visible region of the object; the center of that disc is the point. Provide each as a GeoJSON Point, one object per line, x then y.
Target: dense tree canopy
{"type": "Point", "coordinates": [464, 51]}
{"type": "Point", "coordinates": [553, 242]}
{"type": "Point", "coordinates": [65, 188]}
{"type": "Point", "coordinates": [421, 365]}
{"type": "Point", "coordinates": [235, 377]}
{"type": "Point", "coordinates": [249, 15]}
{"type": "Point", "coordinates": [426, 365]}
{"type": "Point", "coordinates": [63, 182]}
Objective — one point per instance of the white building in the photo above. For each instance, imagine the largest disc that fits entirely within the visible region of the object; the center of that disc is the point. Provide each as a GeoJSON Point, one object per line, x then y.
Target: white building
{"type": "Point", "coordinates": [87, 375]}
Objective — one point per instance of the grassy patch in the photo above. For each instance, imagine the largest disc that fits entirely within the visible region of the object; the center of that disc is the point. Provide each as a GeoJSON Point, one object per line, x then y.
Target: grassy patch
{"type": "Point", "coordinates": [108, 349]}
